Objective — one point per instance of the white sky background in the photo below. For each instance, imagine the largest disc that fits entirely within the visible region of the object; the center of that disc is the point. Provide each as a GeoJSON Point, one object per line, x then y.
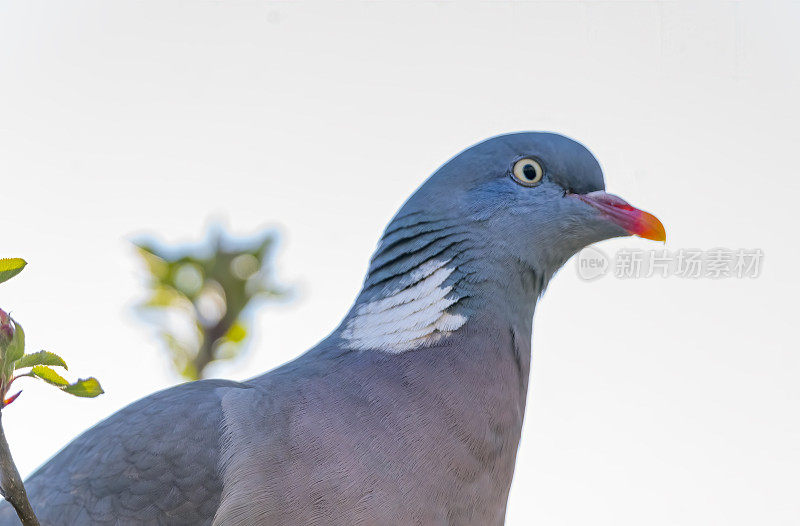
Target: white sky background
{"type": "Point", "coordinates": [652, 401]}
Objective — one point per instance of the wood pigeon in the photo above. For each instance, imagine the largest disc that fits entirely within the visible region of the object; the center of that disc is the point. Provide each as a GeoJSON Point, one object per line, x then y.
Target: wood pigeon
{"type": "Point", "coordinates": [409, 412]}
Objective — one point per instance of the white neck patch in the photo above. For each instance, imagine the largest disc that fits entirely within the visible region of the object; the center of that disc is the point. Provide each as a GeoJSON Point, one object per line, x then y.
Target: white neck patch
{"type": "Point", "coordinates": [407, 318]}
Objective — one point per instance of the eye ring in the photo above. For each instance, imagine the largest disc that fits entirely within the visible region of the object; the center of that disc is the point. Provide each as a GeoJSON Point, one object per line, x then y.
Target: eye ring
{"type": "Point", "coordinates": [527, 171]}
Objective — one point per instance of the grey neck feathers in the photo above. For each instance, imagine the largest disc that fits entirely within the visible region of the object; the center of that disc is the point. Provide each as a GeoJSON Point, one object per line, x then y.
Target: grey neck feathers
{"type": "Point", "coordinates": [426, 280]}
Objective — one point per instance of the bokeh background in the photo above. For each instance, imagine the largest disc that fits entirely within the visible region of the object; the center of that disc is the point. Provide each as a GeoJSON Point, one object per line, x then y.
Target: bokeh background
{"type": "Point", "coordinates": [653, 401]}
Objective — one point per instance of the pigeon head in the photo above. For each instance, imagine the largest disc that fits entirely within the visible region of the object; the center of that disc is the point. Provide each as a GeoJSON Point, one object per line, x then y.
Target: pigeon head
{"type": "Point", "coordinates": [537, 197]}
{"type": "Point", "coordinates": [487, 231]}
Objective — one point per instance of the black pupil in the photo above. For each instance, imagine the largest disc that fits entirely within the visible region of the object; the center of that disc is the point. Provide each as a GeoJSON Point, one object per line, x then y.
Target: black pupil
{"type": "Point", "coordinates": [529, 171]}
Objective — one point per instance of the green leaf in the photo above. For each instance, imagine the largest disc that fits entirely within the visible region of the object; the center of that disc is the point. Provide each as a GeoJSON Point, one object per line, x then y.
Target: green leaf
{"type": "Point", "coordinates": [16, 347]}
{"type": "Point", "coordinates": [10, 267]}
{"type": "Point", "coordinates": [85, 387]}
{"type": "Point", "coordinates": [49, 375]}
{"type": "Point", "coordinates": [40, 358]}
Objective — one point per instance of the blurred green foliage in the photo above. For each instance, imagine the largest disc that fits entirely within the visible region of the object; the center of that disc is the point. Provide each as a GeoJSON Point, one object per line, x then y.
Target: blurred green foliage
{"type": "Point", "coordinates": [209, 288]}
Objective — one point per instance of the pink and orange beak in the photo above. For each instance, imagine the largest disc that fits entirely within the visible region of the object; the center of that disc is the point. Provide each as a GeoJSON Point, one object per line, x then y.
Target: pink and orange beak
{"type": "Point", "coordinates": [637, 222]}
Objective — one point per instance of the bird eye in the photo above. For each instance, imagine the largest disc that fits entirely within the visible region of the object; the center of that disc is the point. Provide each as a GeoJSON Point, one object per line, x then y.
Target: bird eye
{"type": "Point", "coordinates": [527, 172]}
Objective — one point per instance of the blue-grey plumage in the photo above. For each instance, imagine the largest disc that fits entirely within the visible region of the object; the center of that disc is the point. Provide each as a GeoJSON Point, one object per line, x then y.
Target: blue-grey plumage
{"type": "Point", "coordinates": [410, 412]}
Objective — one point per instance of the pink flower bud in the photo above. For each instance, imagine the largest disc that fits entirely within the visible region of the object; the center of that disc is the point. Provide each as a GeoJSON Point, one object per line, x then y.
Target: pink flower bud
{"type": "Point", "coordinates": [6, 327]}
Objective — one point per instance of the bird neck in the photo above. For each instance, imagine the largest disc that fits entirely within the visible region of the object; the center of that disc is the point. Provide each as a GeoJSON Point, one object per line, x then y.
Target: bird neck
{"type": "Point", "coordinates": [428, 279]}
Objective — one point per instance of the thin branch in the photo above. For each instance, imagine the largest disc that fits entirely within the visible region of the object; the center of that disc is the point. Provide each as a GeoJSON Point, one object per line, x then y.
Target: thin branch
{"type": "Point", "coordinates": [15, 377]}
{"type": "Point", "coordinates": [11, 484]}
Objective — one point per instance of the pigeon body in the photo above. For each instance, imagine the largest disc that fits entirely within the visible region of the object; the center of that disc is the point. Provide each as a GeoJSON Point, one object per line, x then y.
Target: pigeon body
{"type": "Point", "coordinates": [410, 412]}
